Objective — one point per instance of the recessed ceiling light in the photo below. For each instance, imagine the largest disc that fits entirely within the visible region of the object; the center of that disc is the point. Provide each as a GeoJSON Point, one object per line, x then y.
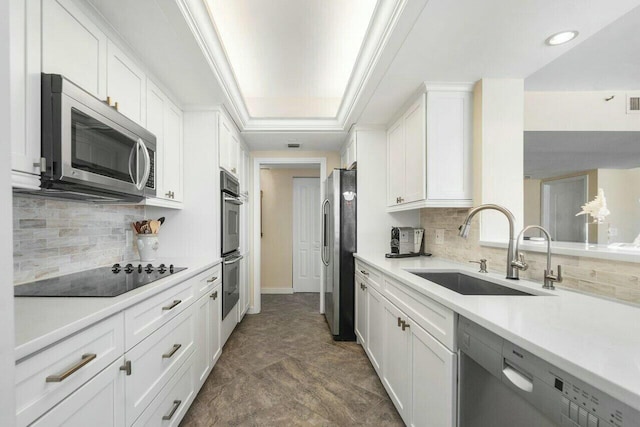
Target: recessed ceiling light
{"type": "Point", "coordinates": [561, 38]}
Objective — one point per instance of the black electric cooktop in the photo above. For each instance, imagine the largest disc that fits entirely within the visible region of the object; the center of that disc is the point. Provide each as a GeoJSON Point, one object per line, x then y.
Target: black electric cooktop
{"type": "Point", "coordinates": [100, 282]}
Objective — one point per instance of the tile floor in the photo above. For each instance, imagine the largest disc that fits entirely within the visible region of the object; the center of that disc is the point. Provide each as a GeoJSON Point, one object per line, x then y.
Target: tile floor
{"type": "Point", "coordinates": [282, 368]}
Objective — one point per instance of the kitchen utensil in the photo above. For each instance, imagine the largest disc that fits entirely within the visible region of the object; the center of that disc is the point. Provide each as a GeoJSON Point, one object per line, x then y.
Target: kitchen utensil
{"type": "Point", "coordinates": [161, 219]}
{"type": "Point", "coordinates": [154, 225]}
{"type": "Point", "coordinates": [135, 229]}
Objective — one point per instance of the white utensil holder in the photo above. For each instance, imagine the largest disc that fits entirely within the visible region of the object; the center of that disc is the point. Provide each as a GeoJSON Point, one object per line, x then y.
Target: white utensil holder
{"type": "Point", "coordinates": [148, 245]}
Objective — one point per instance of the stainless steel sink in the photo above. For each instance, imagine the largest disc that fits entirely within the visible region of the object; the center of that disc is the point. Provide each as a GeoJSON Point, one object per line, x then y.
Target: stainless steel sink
{"type": "Point", "coordinates": [469, 285]}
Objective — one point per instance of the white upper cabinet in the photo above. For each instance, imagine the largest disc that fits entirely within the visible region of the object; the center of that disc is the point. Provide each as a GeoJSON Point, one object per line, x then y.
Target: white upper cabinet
{"type": "Point", "coordinates": [126, 84]}
{"type": "Point", "coordinates": [429, 151]}
{"type": "Point", "coordinates": [229, 145]}
{"type": "Point", "coordinates": [164, 120]}
{"type": "Point", "coordinates": [72, 45]}
{"type": "Point", "coordinates": [348, 156]}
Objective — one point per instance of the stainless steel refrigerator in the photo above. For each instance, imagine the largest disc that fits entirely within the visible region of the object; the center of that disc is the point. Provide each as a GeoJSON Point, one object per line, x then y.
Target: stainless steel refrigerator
{"type": "Point", "coordinates": [339, 244]}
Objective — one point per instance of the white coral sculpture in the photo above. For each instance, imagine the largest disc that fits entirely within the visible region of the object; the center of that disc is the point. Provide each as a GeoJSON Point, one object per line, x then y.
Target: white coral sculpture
{"type": "Point", "coordinates": [597, 208]}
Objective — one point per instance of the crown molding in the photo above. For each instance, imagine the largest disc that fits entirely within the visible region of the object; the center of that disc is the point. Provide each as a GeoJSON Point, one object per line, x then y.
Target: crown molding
{"type": "Point", "coordinates": [386, 18]}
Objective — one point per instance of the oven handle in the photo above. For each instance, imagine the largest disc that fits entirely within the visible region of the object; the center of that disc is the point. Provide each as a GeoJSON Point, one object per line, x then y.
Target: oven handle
{"type": "Point", "coordinates": [232, 200]}
{"type": "Point", "coordinates": [147, 167]}
{"type": "Point", "coordinates": [233, 261]}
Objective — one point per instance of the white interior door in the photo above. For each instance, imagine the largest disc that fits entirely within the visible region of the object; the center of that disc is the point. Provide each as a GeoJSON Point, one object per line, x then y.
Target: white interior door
{"type": "Point", "coordinates": [306, 235]}
{"type": "Point", "coordinates": [561, 201]}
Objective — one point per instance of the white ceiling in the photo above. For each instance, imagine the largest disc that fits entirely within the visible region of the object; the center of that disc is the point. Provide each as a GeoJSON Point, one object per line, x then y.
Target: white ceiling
{"type": "Point", "coordinates": [555, 153]}
{"type": "Point", "coordinates": [466, 40]}
{"type": "Point", "coordinates": [292, 58]}
{"type": "Point", "coordinates": [608, 60]}
{"type": "Point", "coordinates": [309, 141]}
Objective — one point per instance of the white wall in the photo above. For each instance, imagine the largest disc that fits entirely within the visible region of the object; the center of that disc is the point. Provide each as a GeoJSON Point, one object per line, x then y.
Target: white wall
{"type": "Point", "coordinates": [374, 223]}
{"type": "Point", "coordinates": [194, 231]}
{"type": "Point", "coordinates": [578, 111]}
{"type": "Point", "coordinates": [498, 151]}
{"type": "Point", "coordinates": [622, 190]}
{"type": "Point", "coordinates": [7, 359]}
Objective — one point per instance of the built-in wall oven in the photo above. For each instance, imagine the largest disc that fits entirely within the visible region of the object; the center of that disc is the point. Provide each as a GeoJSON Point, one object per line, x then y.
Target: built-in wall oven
{"type": "Point", "coordinates": [230, 203]}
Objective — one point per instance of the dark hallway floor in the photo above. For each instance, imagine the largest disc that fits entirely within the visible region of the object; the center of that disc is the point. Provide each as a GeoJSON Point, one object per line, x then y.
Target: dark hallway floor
{"type": "Point", "coordinates": [282, 368]}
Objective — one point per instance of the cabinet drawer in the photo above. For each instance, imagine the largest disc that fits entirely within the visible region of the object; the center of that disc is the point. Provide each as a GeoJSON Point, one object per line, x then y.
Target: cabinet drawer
{"type": "Point", "coordinates": [156, 359]}
{"type": "Point", "coordinates": [370, 274]}
{"type": "Point", "coordinates": [208, 280]}
{"type": "Point", "coordinates": [435, 318]}
{"type": "Point", "coordinates": [174, 400]}
{"type": "Point", "coordinates": [97, 403]}
{"type": "Point", "coordinates": [46, 378]}
{"type": "Point", "coordinates": [144, 318]}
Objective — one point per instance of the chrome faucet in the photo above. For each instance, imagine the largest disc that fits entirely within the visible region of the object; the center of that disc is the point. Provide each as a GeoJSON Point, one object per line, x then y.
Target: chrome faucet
{"type": "Point", "coordinates": [520, 264]}
{"type": "Point", "coordinates": [512, 272]}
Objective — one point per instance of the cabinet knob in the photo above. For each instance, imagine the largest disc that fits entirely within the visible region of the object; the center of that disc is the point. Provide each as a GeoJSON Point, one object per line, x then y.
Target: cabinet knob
{"type": "Point", "coordinates": [233, 170]}
{"type": "Point", "coordinates": [116, 106]}
{"type": "Point", "coordinates": [108, 101]}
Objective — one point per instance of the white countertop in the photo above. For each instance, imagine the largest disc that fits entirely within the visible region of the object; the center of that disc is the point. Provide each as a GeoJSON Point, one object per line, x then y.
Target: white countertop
{"type": "Point", "coordinates": [593, 339]}
{"type": "Point", "coordinates": [41, 321]}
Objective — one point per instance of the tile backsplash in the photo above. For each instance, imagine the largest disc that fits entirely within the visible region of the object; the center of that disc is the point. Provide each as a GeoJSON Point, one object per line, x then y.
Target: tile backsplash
{"type": "Point", "coordinates": [612, 279]}
{"type": "Point", "coordinates": [54, 237]}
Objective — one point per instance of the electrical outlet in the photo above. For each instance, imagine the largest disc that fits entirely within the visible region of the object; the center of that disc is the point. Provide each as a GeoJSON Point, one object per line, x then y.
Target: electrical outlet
{"type": "Point", "coordinates": [439, 236]}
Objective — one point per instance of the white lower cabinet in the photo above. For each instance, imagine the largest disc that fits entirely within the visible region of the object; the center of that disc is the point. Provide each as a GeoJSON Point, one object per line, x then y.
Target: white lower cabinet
{"type": "Point", "coordinates": [374, 327]}
{"type": "Point", "coordinates": [98, 403]}
{"type": "Point", "coordinates": [395, 367]}
{"type": "Point", "coordinates": [418, 371]}
{"type": "Point", "coordinates": [433, 376]}
{"type": "Point", "coordinates": [208, 311]}
{"type": "Point", "coordinates": [172, 403]}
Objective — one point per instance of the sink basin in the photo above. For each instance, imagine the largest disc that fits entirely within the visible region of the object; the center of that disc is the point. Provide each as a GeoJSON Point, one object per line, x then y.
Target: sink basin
{"type": "Point", "coordinates": [469, 285]}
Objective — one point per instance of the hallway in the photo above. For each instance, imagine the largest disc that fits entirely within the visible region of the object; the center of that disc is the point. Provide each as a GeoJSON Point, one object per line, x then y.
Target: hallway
{"type": "Point", "coordinates": [281, 367]}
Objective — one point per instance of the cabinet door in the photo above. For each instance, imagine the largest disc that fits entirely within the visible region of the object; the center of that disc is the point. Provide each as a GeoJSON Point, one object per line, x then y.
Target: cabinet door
{"type": "Point", "coordinates": [156, 101]}
{"type": "Point", "coordinates": [433, 381]}
{"type": "Point", "coordinates": [375, 328]}
{"type": "Point", "coordinates": [361, 310]}
{"type": "Point", "coordinates": [126, 84]}
{"type": "Point", "coordinates": [100, 402]}
{"type": "Point", "coordinates": [395, 167]}
{"type": "Point", "coordinates": [224, 142]}
{"type": "Point", "coordinates": [202, 360]}
{"type": "Point", "coordinates": [215, 320]}
{"type": "Point", "coordinates": [415, 152]}
{"type": "Point", "coordinates": [73, 46]}
{"type": "Point", "coordinates": [241, 169]}
{"type": "Point", "coordinates": [234, 153]}
{"type": "Point", "coordinates": [172, 148]}
{"type": "Point", "coordinates": [396, 362]}
{"type": "Point", "coordinates": [352, 150]}
{"type": "Point", "coordinates": [449, 140]}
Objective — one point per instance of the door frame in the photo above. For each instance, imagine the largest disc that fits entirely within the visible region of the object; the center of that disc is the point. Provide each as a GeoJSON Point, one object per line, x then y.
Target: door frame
{"type": "Point", "coordinates": [293, 226]}
{"type": "Point", "coordinates": [255, 203]}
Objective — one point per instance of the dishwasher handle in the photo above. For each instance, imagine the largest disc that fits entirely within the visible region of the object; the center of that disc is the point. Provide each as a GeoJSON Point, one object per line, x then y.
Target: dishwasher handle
{"type": "Point", "coordinates": [517, 378]}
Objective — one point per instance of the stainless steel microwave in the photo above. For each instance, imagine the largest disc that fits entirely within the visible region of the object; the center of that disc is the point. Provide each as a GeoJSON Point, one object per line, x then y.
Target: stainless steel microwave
{"type": "Point", "coordinates": [92, 152]}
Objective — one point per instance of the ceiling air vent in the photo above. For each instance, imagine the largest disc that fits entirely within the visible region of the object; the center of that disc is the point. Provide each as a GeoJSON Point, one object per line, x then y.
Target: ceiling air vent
{"type": "Point", "coordinates": [293, 145]}
{"type": "Point", "coordinates": [633, 104]}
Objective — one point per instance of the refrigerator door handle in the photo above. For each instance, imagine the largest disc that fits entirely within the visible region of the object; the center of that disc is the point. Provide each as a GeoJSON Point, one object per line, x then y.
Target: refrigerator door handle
{"type": "Point", "coordinates": [323, 254]}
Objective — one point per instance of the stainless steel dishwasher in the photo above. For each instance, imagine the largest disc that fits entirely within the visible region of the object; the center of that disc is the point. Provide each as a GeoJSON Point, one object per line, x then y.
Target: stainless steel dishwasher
{"type": "Point", "coordinates": [502, 385]}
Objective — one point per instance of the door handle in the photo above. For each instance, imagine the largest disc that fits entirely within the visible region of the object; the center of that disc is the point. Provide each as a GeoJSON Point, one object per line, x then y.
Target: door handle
{"type": "Point", "coordinates": [325, 261]}
{"type": "Point", "coordinates": [233, 261]}
{"type": "Point", "coordinates": [147, 165]}
{"type": "Point", "coordinates": [233, 200]}
{"type": "Point", "coordinates": [517, 378]}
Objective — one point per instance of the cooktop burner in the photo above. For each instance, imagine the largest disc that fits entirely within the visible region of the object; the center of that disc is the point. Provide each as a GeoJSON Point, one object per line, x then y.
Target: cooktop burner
{"type": "Point", "coordinates": [100, 282]}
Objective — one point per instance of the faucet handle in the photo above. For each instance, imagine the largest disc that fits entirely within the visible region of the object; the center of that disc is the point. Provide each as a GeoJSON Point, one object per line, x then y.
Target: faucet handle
{"type": "Point", "coordinates": [483, 265]}
{"type": "Point", "coordinates": [553, 277]}
{"type": "Point", "coordinates": [520, 263]}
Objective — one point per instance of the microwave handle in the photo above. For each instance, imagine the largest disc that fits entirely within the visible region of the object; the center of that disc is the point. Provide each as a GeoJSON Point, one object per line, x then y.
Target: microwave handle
{"type": "Point", "coordinates": [134, 149]}
{"type": "Point", "coordinates": [147, 165]}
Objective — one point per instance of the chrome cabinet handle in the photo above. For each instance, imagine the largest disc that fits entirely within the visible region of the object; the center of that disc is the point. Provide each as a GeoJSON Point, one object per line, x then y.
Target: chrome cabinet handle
{"type": "Point", "coordinates": [126, 367]}
{"type": "Point", "coordinates": [173, 305]}
{"type": "Point", "coordinates": [86, 358]}
{"type": "Point", "coordinates": [175, 348]}
{"type": "Point", "coordinates": [214, 295]}
{"type": "Point", "coordinates": [174, 408]}
{"type": "Point", "coordinates": [170, 194]}
{"type": "Point", "coordinates": [212, 279]}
